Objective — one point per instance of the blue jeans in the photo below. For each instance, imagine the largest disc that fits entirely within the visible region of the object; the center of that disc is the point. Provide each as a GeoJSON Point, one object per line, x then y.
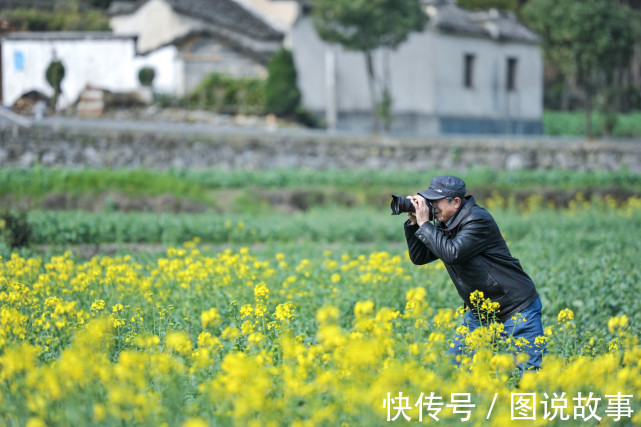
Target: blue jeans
{"type": "Point", "coordinates": [529, 329]}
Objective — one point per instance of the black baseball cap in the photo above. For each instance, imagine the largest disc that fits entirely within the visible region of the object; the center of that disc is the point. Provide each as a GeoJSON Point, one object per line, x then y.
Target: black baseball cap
{"type": "Point", "coordinates": [444, 186]}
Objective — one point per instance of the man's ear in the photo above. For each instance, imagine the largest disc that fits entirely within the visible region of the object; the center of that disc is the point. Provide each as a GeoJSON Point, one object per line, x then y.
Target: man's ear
{"type": "Point", "coordinates": [457, 202]}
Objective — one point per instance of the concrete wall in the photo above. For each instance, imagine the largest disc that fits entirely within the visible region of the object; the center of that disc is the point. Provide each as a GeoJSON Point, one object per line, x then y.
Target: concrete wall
{"type": "Point", "coordinates": [308, 51]}
{"type": "Point", "coordinates": [334, 83]}
{"type": "Point", "coordinates": [112, 149]}
{"type": "Point", "coordinates": [169, 67]}
{"type": "Point", "coordinates": [411, 73]}
{"type": "Point", "coordinates": [101, 60]}
{"type": "Point", "coordinates": [488, 98]}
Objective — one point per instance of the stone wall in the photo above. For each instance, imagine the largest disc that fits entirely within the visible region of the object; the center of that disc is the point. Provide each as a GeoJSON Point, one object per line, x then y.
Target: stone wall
{"type": "Point", "coordinates": [117, 149]}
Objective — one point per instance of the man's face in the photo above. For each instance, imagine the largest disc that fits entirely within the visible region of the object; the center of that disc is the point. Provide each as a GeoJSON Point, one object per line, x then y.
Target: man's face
{"type": "Point", "coordinates": [445, 209]}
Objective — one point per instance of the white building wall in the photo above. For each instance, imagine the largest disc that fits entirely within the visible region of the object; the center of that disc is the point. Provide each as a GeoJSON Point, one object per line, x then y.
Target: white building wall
{"type": "Point", "coordinates": [427, 79]}
{"type": "Point", "coordinates": [106, 63]}
{"type": "Point", "coordinates": [308, 51]}
{"type": "Point", "coordinates": [488, 98]}
{"type": "Point", "coordinates": [345, 97]}
{"type": "Point", "coordinates": [529, 83]}
{"type": "Point", "coordinates": [411, 76]}
{"type": "Point", "coordinates": [155, 23]}
{"type": "Point", "coordinates": [169, 69]}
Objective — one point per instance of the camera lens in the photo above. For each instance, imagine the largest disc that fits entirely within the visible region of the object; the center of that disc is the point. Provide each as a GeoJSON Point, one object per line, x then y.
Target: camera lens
{"type": "Point", "coordinates": [400, 204]}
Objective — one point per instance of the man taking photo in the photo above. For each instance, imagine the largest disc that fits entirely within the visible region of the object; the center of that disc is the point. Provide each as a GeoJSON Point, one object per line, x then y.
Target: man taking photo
{"type": "Point", "coordinates": [468, 241]}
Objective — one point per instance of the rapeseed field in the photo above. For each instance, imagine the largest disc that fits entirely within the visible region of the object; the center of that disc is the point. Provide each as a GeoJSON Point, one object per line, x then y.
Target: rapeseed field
{"type": "Point", "coordinates": [199, 337]}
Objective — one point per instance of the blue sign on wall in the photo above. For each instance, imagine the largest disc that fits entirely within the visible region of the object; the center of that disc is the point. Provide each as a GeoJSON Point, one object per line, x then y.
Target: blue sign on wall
{"type": "Point", "coordinates": [18, 60]}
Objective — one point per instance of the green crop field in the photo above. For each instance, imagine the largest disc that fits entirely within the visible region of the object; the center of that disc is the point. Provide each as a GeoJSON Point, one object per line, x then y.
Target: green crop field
{"type": "Point", "coordinates": [572, 123]}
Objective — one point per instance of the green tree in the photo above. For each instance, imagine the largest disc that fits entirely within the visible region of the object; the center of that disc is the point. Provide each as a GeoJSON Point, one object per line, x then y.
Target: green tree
{"type": "Point", "coordinates": [588, 40]}
{"type": "Point", "coordinates": [281, 92]}
{"type": "Point", "coordinates": [54, 75]}
{"type": "Point", "coordinates": [512, 5]}
{"type": "Point", "coordinates": [146, 76]}
{"type": "Point", "coordinates": [97, 4]}
{"type": "Point", "coordinates": [367, 25]}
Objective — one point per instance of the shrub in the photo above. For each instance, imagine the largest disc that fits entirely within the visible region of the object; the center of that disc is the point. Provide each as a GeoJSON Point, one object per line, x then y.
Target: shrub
{"type": "Point", "coordinates": [169, 101]}
{"type": "Point", "coordinates": [512, 5]}
{"type": "Point", "coordinates": [15, 229]}
{"type": "Point", "coordinates": [307, 118]}
{"type": "Point", "coordinates": [55, 74]}
{"type": "Point", "coordinates": [281, 93]}
{"type": "Point", "coordinates": [146, 76]}
{"type": "Point", "coordinates": [226, 94]}
{"type": "Point", "coordinates": [58, 19]}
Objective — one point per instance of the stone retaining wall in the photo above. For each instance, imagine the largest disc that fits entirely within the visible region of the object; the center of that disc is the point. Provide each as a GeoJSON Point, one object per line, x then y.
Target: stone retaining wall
{"type": "Point", "coordinates": [102, 149]}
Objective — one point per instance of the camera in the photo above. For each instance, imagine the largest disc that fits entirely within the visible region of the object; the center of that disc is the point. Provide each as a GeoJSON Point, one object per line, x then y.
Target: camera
{"type": "Point", "coordinates": [400, 204]}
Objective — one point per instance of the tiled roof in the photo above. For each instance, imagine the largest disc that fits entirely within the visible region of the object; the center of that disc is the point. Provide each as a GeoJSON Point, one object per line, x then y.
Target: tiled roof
{"type": "Point", "coordinates": [227, 13]}
{"type": "Point", "coordinates": [446, 16]}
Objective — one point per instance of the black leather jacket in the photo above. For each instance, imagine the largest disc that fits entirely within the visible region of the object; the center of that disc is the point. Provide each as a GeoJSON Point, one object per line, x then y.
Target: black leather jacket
{"type": "Point", "coordinates": [476, 257]}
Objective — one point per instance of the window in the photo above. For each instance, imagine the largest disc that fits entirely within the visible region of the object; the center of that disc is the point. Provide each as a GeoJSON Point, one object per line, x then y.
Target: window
{"type": "Point", "coordinates": [510, 81]}
{"type": "Point", "coordinates": [18, 60]}
{"type": "Point", "coordinates": [468, 76]}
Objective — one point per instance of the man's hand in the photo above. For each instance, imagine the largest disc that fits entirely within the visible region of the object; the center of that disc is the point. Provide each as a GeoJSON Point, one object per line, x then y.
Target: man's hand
{"type": "Point", "coordinates": [422, 210]}
{"type": "Point", "coordinates": [411, 215]}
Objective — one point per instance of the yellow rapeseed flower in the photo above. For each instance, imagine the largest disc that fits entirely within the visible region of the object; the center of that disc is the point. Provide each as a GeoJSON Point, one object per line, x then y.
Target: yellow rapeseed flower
{"type": "Point", "coordinates": [195, 422]}
{"type": "Point", "coordinates": [327, 314]}
{"type": "Point", "coordinates": [179, 342]}
{"type": "Point", "coordinates": [363, 308]}
{"type": "Point", "coordinates": [261, 292]}
{"type": "Point", "coordinates": [210, 317]}
{"type": "Point", "coordinates": [565, 315]}
{"type": "Point", "coordinates": [476, 297]}
{"type": "Point", "coordinates": [618, 323]}
{"type": "Point", "coordinates": [35, 422]}
{"type": "Point", "coordinates": [284, 312]}
{"type": "Point", "coordinates": [416, 294]}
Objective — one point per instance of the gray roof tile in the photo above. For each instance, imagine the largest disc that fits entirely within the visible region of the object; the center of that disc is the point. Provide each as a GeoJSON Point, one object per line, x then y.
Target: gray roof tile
{"type": "Point", "coordinates": [493, 24]}
{"type": "Point", "coordinates": [228, 13]}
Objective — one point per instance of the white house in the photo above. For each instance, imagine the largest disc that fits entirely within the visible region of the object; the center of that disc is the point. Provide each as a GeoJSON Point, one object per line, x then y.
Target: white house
{"type": "Point", "coordinates": [99, 59]}
{"type": "Point", "coordinates": [236, 37]}
{"type": "Point", "coordinates": [182, 40]}
{"type": "Point", "coordinates": [467, 72]}
{"type": "Point", "coordinates": [254, 25]}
